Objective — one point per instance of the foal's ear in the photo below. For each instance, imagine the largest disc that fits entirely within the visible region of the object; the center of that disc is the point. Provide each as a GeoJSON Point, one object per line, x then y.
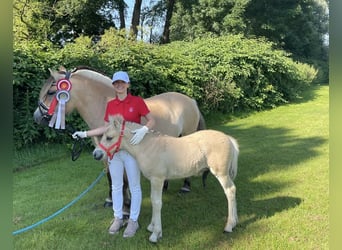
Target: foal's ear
{"type": "Point", "coordinates": [116, 120]}
{"type": "Point", "coordinates": [111, 120]}
{"type": "Point", "coordinates": [119, 119]}
{"type": "Point", "coordinates": [116, 124]}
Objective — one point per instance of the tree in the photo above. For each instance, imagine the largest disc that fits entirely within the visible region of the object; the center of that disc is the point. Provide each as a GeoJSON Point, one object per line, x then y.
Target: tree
{"type": "Point", "coordinates": [153, 21]}
{"type": "Point", "coordinates": [121, 6]}
{"type": "Point", "coordinates": [136, 18]}
{"type": "Point", "coordinates": [29, 22]}
{"type": "Point", "coordinates": [64, 20]}
{"type": "Point", "coordinates": [297, 26]}
{"type": "Point", "coordinates": [166, 33]}
{"type": "Point", "coordinates": [200, 18]}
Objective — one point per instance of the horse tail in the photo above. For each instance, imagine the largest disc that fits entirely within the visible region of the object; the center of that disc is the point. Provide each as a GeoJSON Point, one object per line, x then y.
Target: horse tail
{"type": "Point", "coordinates": [201, 123]}
{"type": "Point", "coordinates": [235, 154]}
{"type": "Point", "coordinates": [201, 126]}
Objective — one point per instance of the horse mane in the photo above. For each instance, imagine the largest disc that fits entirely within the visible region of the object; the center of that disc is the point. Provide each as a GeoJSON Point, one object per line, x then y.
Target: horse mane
{"type": "Point", "coordinates": [92, 74]}
{"type": "Point", "coordinates": [88, 68]}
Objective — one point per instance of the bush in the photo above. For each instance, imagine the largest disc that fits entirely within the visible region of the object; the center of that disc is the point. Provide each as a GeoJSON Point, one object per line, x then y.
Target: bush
{"type": "Point", "coordinates": [235, 73]}
{"type": "Point", "coordinates": [225, 74]}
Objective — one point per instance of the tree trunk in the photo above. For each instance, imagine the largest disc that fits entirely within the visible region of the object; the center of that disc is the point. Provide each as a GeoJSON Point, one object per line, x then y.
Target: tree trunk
{"type": "Point", "coordinates": [121, 8]}
{"type": "Point", "coordinates": [166, 33]}
{"type": "Point", "coordinates": [136, 18]}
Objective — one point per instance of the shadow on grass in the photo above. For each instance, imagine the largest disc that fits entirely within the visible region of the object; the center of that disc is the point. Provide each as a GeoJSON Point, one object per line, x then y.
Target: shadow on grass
{"type": "Point", "coordinates": [263, 150]}
{"type": "Point", "coordinates": [259, 209]}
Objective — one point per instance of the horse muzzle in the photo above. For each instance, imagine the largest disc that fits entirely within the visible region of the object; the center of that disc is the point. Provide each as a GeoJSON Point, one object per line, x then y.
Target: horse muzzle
{"type": "Point", "coordinates": [98, 154]}
{"type": "Point", "coordinates": [40, 118]}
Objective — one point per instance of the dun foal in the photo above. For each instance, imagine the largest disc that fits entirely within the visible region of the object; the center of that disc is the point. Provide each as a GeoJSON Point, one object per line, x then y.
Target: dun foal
{"type": "Point", "coordinates": [163, 157]}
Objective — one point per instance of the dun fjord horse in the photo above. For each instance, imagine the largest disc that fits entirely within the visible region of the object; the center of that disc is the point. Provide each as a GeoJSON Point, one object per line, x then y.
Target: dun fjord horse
{"type": "Point", "coordinates": [172, 158]}
{"type": "Point", "coordinates": [175, 114]}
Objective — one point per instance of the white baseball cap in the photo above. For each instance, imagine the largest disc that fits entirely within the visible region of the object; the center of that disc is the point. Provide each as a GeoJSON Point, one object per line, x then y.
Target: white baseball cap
{"type": "Point", "coordinates": [120, 75]}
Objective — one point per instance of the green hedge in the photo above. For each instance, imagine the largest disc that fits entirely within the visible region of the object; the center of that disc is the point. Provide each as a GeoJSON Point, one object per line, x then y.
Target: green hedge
{"type": "Point", "coordinates": [226, 74]}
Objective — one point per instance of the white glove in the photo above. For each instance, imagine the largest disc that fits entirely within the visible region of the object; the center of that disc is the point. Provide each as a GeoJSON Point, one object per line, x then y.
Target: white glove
{"type": "Point", "coordinates": [79, 134]}
{"type": "Point", "coordinates": [139, 135]}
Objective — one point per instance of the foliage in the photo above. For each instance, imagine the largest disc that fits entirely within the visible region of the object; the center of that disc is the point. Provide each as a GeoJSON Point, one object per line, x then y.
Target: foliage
{"type": "Point", "coordinates": [30, 20]}
{"type": "Point", "coordinates": [298, 27]}
{"type": "Point", "coordinates": [62, 21]}
{"type": "Point", "coordinates": [234, 73]}
{"type": "Point", "coordinates": [295, 26]}
{"type": "Point", "coordinates": [203, 18]}
{"type": "Point", "coordinates": [225, 74]}
{"type": "Point", "coordinates": [29, 66]}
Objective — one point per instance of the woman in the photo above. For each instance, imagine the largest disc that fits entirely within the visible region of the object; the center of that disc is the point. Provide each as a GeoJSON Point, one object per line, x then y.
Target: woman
{"type": "Point", "coordinates": [132, 108]}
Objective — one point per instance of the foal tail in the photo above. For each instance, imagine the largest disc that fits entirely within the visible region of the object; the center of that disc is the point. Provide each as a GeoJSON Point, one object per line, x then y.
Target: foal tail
{"type": "Point", "coordinates": [235, 154]}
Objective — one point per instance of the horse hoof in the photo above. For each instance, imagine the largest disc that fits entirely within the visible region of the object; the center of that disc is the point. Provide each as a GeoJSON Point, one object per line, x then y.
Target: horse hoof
{"type": "Point", "coordinates": [228, 229]}
{"type": "Point", "coordinates": [108, 204]}
{"type": "Point", "coordinates": [154, 238]}
{"type": "Point", "coordinates": [184, 190]}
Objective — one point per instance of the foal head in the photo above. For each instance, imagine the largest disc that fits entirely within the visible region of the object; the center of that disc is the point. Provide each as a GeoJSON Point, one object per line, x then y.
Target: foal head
{"type": "Point", "coordinates": [111, 140]}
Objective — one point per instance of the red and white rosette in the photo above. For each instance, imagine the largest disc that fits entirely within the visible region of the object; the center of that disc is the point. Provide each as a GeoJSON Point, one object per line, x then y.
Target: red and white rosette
{"type": "Point", "coordinates": [62, 97]}
{"type": "Point", "coordinates": [64, 84]}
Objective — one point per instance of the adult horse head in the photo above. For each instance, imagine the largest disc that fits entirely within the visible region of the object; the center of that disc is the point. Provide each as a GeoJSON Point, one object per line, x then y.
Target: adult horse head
{"type": "Point", "coordinates": [89, 93]}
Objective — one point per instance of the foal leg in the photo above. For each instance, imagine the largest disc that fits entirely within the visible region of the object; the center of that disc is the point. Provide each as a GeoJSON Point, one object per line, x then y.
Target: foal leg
{"type": "Point", "coordinates": [156, 199]}
{"type": "Point", "coordinates": [230, 192]}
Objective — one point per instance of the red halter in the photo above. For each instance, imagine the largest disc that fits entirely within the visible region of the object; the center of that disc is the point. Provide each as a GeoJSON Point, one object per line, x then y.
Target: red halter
{"type": "Point", "coordinates": [116, 144]}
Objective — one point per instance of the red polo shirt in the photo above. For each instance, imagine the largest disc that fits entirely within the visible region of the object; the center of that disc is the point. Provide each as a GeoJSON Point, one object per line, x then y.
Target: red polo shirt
{"type": "Point", "coordinates": [132, 108]}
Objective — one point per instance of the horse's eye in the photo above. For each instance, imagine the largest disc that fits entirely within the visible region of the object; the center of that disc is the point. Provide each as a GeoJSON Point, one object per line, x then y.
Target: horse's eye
{"type": "Point", "coordinates": [109, 138]}
{"type": "Point", "coordinates": [52, 89]}
{"type": "Point", "coordinates": [51, 92]}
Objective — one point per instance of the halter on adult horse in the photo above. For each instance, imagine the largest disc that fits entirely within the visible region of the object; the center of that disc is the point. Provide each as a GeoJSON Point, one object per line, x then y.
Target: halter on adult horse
{"type": "Point", "coordinates": [173, 158]}
{"type": "Point", "coordinates": [175, 114]}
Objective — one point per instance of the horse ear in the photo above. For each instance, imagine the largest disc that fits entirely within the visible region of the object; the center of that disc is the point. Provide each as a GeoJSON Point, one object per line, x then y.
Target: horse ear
{"type": "Point", "coordinates": [62, 68]}
{"type": "Point", "coordinates": [54, 74]}
{"type": "Point", "coordinates": [111, 119]}
{"type": "Point", "coordinates": [117, 120]}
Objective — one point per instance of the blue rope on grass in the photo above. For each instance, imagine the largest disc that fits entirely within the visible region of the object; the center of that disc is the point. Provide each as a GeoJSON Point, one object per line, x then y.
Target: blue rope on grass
{"type": "Point", "coordinates": [62, 209]}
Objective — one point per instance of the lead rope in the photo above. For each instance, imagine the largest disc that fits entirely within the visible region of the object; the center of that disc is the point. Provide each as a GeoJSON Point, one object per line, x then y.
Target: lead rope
{"type": "Point", "coordinates": [62, 209]}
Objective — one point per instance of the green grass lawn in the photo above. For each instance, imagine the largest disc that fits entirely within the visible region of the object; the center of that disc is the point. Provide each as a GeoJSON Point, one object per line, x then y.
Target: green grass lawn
{"type": "Point", "coordinates": [282, 192]}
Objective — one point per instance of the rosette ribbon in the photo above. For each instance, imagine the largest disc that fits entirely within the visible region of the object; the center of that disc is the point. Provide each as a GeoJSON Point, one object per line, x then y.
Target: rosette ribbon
{"type": "Point", "coordinates": [62, 97]}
